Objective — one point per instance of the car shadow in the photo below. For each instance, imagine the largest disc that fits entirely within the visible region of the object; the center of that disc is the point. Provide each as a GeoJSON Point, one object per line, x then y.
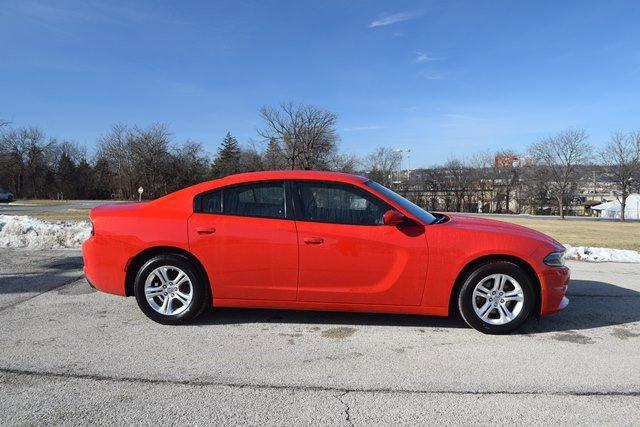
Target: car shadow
{"type": "Point", "coordinates": [49, 276]}
{"type": "Point", "coordinates": [594, 304]}
{"type": "Point", "coordinates": [231, 316]}
{"type": "Point", "coordinates": [67, 263]}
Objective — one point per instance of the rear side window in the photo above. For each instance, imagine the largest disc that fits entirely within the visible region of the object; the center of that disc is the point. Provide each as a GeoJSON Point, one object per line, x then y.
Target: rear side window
{"type": "Point", "coordinates": [259, 199]}
{"type": "Point", "coordinates": [340, 204]}
{"type": "Point", "coordinates": [211, 202]}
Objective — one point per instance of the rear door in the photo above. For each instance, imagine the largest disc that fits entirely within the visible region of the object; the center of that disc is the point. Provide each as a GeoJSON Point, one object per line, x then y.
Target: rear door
{"type": "Point", "coordinates": [246, 241]}
{"type": "Point", "coordinates": [347, 254]}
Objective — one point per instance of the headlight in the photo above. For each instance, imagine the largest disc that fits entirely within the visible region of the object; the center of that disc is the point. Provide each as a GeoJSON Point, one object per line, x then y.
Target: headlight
{"type": "Point", "coordinates": [555, 259]}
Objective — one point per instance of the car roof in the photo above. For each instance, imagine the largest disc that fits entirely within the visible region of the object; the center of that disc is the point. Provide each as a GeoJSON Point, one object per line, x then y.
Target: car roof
{"type": "Point", "coordinates": [292, 174]}
{"type": "Point", "coordinates": [241, 178]}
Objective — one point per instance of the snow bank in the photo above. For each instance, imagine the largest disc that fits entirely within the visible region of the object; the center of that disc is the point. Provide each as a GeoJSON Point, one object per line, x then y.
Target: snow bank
{"type": "Point", "coordinates": [28, 232]}
{"type": "Point", "coordinates": [590, 254]}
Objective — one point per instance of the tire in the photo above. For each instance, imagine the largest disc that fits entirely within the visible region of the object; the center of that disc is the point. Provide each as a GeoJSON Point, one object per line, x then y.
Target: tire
{"type": "Point", "coordinates": [9, 199]}
{"type": "Point", "coordinates": [497, 298]}
{"type": "Point", "coordinates": [185, 298]}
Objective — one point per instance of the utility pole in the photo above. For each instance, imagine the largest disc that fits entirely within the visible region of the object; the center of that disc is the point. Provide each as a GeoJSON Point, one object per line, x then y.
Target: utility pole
{"type": "Point", "coordinates": [402, 152]}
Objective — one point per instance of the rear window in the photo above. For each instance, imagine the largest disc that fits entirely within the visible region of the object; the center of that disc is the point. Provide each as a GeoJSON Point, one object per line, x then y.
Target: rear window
{"type": "Point", "coordinates": [211, 202]}
{"type": "Point", "coordinates": [258, 199]}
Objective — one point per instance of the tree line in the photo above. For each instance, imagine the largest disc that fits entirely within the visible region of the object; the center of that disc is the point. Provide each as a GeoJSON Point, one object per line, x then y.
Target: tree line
{"type": "Point", "coordinates": [33, 165]}
{"type": "Point", "coordinates": [550, 172]}
{"type": "Point", "coordinates": [548, 178]}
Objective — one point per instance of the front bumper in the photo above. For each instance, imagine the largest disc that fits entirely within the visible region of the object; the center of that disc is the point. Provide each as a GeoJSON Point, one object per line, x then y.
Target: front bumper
{"type": "Point", "coordinates": [554, 283]}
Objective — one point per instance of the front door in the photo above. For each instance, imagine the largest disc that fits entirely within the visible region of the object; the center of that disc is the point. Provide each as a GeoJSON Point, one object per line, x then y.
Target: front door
{"type": "Point", "coordinates": [347, 254]}
{"type": "Point", "coordinates": [247, 245]}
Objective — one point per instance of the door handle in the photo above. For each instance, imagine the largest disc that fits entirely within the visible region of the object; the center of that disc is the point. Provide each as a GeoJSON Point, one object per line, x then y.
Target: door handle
{"type": "Point", "coordinates": [205, 230]}
{"type": "Point", "coordinates": [313, 240]}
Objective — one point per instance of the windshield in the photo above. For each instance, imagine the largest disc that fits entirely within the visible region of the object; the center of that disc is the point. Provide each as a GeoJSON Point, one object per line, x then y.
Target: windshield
{"type": "Point", "coordinates": [414, 209]}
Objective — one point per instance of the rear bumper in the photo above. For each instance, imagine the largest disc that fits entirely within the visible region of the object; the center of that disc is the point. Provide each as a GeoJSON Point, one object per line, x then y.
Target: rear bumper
{"type": "Point", "coordinates": [554, 283]}
{"type": "Point", "coordinates": [105, 263]}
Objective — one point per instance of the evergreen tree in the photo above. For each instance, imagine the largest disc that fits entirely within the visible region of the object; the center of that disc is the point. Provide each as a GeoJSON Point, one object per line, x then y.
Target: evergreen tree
{"type": "Point", "coordinates": [83, 179]}
{"type": "Point", "coordinates": [65, 177]}
{"type": "Point", "coordinates": [227, 162]}
{"type": "Point", "coordinates": [273, 156]}
{"type": "Point", "coordinates": [103, 185]}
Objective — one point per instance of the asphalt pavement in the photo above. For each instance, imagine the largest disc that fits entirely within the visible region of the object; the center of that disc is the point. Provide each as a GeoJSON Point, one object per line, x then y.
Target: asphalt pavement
{"type": "Point", "coordinates": [21, 207]}
{"type": "Point", "coordinates": [75, 356]}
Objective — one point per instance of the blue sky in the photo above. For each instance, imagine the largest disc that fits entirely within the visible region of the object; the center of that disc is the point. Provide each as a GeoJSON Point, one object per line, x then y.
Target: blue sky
{"type": "Point", "coordinates": [444, 78]}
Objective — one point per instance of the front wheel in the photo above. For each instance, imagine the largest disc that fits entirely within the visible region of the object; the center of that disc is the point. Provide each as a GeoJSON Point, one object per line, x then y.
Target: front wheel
{"type": "Point", "coordinates": [497, 298]}
{"type": "Point", "coordinates": [170, 290]}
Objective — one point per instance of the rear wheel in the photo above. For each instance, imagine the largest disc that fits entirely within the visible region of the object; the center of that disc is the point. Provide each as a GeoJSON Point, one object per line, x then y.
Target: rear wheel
{"type": "Point", "coordinates": [497, 298]}
{"type": "Point", "coordinates": [170, 290]}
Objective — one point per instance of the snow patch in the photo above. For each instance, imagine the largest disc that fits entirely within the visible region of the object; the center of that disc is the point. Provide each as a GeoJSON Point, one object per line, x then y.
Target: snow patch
{"type": "Point", "coordinates": [591, 254]}
{"type": "Point", "coordinates": [27, 232]}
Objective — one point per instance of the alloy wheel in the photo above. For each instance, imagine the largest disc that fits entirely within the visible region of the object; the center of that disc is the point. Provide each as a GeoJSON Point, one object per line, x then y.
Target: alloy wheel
{"type": "Point", "coordinates": [498, 299]}
{"type": "Point", "coordinates": [168, 290]}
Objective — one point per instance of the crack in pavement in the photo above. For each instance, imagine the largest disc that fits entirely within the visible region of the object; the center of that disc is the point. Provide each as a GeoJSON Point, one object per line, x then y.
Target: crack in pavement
{"type": "Point", "coordinates": [602, 296]}
{"type": "Point", "coordinates": [346, 407]}
{"type": "Point", "coordinates": [300, 387]}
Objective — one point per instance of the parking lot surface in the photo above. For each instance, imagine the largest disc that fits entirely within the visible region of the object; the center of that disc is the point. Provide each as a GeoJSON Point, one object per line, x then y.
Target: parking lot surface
{"type": "Point", "coordinates": [21, 207]}
{"type": "Point", "coordinates": [73, 355]}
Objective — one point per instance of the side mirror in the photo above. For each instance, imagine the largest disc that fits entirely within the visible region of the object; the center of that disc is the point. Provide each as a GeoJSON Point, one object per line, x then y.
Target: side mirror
{"type": "Point", "coordinates": [392, 217]}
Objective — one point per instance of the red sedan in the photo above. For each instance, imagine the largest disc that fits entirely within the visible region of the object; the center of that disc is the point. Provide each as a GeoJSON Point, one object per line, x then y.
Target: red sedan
{"type": "Point", "coordinates": [320, 241]}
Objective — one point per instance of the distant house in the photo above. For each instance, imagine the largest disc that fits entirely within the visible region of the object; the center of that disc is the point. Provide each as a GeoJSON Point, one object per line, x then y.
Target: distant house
{"type": "Point", "coordinates": [506, 161]}
{"type": "Point", "coordinates": [613, 209]}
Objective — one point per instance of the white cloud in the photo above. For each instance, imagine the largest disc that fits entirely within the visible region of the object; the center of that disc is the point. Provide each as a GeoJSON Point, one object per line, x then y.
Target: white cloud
{"type": "Point", "coordinates": [422, 57]}
{"type": "Point", "coordinates": [361, 128]}
{"type": "Point", "coordinates": [393, 18]}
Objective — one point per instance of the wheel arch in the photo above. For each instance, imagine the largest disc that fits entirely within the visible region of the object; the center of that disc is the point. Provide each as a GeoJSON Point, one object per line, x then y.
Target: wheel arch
{"type": "Point", "coordinates": [137, 261]}
{"type": "Point", "coordinates": [472, 265]}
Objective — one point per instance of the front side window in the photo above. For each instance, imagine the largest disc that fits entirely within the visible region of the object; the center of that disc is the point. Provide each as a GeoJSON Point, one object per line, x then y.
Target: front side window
{"type": "Point", "coordinates": [258, 199]}
{"type": "Point", "coordinates": [415, 210]}
{"type": "Point", "coordinates": [340, 204]}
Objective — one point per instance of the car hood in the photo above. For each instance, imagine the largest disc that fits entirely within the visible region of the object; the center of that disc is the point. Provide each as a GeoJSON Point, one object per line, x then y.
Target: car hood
{"type": "Point", "coordinates": [494, 226]}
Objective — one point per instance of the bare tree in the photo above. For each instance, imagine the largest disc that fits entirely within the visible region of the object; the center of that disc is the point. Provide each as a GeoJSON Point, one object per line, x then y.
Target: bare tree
{"type": "Point", "coordinates": [250, 159]}
{"type": "Point", "coordinates": [482, 168]}
{"type": "Point", "coordinates": [347, 163]}
{"type": "Point", "coordinates": [190, 164]}
{"type": "Point", "coordinates": [146, 157]}
{"type": "Point", "coordinates": [459, 180]}
{"type": "Point", "coordinates": [560, 156]}
{"type": "Point", "coordinates": [114, 148]}
{"type": "Point", "coordinates": [306, 134]}
{"type": "Point", "coordinates": [621, 159]}
{"type": "Point", "coordinates": [382, 163]}
{"type": "Point", "coordinates": [27, 161]}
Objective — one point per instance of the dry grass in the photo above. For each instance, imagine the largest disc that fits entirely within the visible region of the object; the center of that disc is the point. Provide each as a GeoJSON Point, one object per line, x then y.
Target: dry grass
{"type": "Point", "coordinates": [38, 202]}
{"type": "Point", "coordinates": [69, 215]}
{"type": "Point", "coordinates": [607, 234]}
